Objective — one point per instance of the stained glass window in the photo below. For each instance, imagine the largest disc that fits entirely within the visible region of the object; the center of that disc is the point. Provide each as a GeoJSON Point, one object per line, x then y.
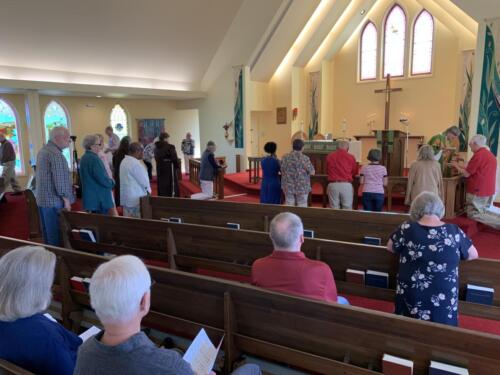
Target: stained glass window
{"type": "Point", "coordinates": [368, 52]}
{"type": "Point", "coordinates": [8, 126]}
{"type": "Point", "coordinates": [55, 115]}
{"type": "Point", "coordinates": [423, 39]}
{"type": "Point", "coordinates": [118, 121]}
{"type": "Point", "coordinates": [394, 42]}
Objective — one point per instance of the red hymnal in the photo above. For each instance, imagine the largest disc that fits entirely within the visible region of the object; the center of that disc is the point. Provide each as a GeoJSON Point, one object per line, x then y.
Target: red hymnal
{"type": "Point", "coordinates": [355, 276]}
{"type": "Point", "coordinates": [392, 365]}
{"type": "Point", "coordinates": [77, 284]}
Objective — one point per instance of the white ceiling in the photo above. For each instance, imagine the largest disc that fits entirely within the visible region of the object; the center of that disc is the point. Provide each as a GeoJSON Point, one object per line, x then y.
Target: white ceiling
{"type": "Point", "coordinates": [148, 44]}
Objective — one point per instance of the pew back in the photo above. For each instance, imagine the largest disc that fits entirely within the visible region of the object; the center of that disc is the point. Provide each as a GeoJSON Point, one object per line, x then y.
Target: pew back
{"type": "Point", "coordinates": [344, 225]}
{"type": "Point", "coordinates": [7, 368]}
{"type": "Point", "coordinates": [315, 336]}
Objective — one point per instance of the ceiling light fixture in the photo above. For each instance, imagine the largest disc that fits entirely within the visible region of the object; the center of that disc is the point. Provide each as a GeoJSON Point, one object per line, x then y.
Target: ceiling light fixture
{"type": "Point", "coordinates": [98, 96]}
{"type": "Point", "coordinates": [363, 11]}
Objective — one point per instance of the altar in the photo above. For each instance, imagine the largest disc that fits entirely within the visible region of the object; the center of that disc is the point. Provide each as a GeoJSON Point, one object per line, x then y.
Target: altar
{"type": "Point", "coordinates": [319, 150]}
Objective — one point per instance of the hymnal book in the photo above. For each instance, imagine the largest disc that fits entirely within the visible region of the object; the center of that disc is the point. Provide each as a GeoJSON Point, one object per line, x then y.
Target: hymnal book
{"type": "Point", "coordinates": [377, 279]}
{"type": "Point", "coordinates": [87, 235]}
{"type": "Point", "coordinates": [233, 225]}
{"type": "Point", "coordinates": [201, 354]}
{"type": "Point", "coordinates": [175, 220]}
{"type": "Point", "coordinates": [86, 283]}
{"type": "Point", "coordinates": [92, 331]}
{"type": "Point", "coordinates": [438, 368]}
{"type": "Point", "coordinates": [392, 365]}
{"type": "Point", "coordinates": [308, 233]}
{"type": "Point", "coordinates": [355, 276]}
{"type": "Point", "coordinates": [479, 294]}
{"type": "Point", "coordinates": [372, 240]}
{"type": "Point", "coordinates": [75, 234]}
{"type": "Point", "coordinates": [77, 284]}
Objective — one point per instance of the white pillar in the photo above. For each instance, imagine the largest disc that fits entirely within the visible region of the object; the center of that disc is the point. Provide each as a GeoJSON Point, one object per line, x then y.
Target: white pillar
{"type": "Point", "coordinates": [34, 123]}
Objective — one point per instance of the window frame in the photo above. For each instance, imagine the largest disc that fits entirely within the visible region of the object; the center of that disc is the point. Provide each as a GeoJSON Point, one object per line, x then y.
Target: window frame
{"type": "Point", "coordinates": [127, 116]}
{"type": "Point", "coordinates": [383, 47]}
{"type": "Point", "coordinates": [412, 46]}
{"type": "Point", "coordinates": [22, 172]}
{"type": "Point", "coordinates": [360, 53]}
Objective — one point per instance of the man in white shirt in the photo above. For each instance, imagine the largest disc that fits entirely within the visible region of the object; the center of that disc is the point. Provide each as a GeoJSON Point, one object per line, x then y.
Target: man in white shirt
{"type": "Point", "coordinates": [134, 181]}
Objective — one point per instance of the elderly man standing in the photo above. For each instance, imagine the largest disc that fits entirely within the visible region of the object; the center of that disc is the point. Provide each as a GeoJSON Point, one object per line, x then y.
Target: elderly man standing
{"type": "Point", "coordinates": [121, 297]}
{"type": "Point", "coordinates": [54, 187]}
{"type": "Point", "coordinates": [296, 172]}
{"type": "Point", "coordinates": [288, 270]}
{"type": "Point", "coordinates": [134, 181]}
{"type": "Point", "coordinates": [187, 148]}
{"type": "Point", "coordinates": [8, 162]}
{"type": "Point", "coordinates": [341, 167]}
{"type": "Point", "coordinates": [481, 172]}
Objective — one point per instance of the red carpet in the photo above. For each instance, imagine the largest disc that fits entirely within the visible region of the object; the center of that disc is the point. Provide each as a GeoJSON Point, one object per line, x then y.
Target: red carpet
{"type": "Point", "coordinates": [14, 223]}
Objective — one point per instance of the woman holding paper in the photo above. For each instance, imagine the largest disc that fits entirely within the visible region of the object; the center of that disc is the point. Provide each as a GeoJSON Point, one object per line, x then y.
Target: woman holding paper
{"type": "Point", "coordinates": [28, 338]}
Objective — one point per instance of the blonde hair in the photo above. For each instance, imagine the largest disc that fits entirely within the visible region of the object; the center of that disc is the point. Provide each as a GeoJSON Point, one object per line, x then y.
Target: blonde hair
{"type": "Point", "coordinates": [26, 278]}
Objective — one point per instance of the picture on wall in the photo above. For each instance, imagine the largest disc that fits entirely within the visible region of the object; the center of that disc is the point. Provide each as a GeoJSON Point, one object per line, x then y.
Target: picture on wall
{"type": "Point", "coordinates": [281, 115]}
{"type": "Point", "coordinates": [149, 129]}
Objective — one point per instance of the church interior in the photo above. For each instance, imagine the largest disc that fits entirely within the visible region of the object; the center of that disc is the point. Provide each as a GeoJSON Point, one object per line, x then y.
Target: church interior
{"type": "Point", "coordinates": [385, 80]}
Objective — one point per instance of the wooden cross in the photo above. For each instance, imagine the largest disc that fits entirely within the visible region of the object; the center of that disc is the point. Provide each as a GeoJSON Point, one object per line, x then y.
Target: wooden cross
{"type": "Point", "coordinates": [387, 91]}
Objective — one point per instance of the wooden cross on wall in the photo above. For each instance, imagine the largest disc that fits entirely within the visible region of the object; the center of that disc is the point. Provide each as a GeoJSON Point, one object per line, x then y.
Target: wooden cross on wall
{"type": "Point", "coordinates": [387, 91]}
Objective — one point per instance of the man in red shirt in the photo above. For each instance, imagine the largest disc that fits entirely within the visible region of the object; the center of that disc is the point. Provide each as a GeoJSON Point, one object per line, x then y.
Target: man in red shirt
{"type": "Point", "coordinates": [288, 270]}
{"type": "Point", "coordinates": [481, 172]}
{"type": "Point", "coordinates": [341, 167]}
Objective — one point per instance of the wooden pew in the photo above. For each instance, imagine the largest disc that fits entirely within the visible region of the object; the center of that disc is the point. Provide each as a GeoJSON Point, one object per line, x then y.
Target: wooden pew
{"type": "Point", "coordinates": [7, 368]}
{"type": "Point", "coordinates": [34, 222]}
{"type": "Point", "coordinates": [327, 223]}
{"type": "Point", "coordinates": [313, 336]}
{"type": "Point", "coordinates": [189, 247]}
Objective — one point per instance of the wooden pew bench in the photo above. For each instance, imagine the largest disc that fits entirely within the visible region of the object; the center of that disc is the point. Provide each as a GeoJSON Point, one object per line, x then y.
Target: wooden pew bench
{"type": "Point", "coordinates": [342, 225]}
{"type": "Point", "coordinates": [192, 247]}
{"type": "Point", "coordinates": [313, 336]}
{"type": "Point", "coordinates": [7, 368]}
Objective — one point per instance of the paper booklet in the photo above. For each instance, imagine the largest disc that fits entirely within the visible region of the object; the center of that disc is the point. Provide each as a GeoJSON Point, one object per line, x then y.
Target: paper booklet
{"type": "Point", "coordinates": [201, 354]}
{"type": "Point", "coordinates": [89, 333]}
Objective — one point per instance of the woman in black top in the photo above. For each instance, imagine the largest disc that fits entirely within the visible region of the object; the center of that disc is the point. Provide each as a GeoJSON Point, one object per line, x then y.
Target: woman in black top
{"type": "Point", "coordinates": [118, 156]}
{"type": "Point", "coordinates": [167, 167]}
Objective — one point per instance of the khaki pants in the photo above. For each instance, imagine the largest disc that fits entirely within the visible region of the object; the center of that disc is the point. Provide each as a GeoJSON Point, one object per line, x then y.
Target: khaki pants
{"type": "Point", "coordinates": [207, 191]}
{"type": "Point", "coordinates": [340, 195]}
{"type": "Point", "coordinates": [299, 200]}
{"type": "Point", "coordinates": [477, 209]}
{"type": "Point", "coordinates": [9, 177]}
{"type": "Point", "coordinates": [186, 162]}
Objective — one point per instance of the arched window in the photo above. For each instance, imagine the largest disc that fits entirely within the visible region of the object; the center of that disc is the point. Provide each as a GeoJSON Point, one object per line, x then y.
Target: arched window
{"type": "Point", "coordinates": [8, 126]}
{"type": "Point", "coordinates": [394, 42]}
{"type": "Point", "coordinates": [55, 115]}
{"type": "Point", "coordinates": [423, 40]}
{"type": "Point", "coordinates": [118, 121]}
{"type": "Point", "coordinates": [368, 53]}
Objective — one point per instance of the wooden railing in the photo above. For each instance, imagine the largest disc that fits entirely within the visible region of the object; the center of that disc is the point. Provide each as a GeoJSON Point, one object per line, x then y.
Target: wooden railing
{"type": "Point", "coordinates": [194, 175]}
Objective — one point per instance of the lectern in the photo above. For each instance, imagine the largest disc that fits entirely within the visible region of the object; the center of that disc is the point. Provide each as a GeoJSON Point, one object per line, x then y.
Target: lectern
{"type": "Point", "coordinates": [392, 144]}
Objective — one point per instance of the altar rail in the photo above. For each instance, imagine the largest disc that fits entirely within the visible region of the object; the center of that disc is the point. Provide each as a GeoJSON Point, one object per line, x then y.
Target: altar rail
{"type": "Point", "coordinates": [194, 175]}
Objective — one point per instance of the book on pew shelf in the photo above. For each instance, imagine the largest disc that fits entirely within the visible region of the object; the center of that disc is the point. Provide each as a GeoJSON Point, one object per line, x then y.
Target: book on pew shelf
{"type": "Point", "coordinates": [165, 219]}
{"type": "Point", "coordinates": [77, 284]}
{"type": "Point", "coordinates": [92, 331]}
{"type": "Point", "coordinates": [372, 240]}
{"type": "Point", "coordinates": [175, 219]}
{"type": "Point", "coordinates": [308, 233]}
{"type": "Point", "coordinates": [439, 368]}
{"type": "Point", "coordinates": [86, 283]}
{"type": "Point", "coordinates": [87, 235]}
{"type": "Point", "coordinates": [377, 279]}
{"type": "Point", "coordinates": [479, 294]}
{"type": "Point", "coordinates": [392, 365]}
{"type": "Point", "coordinates": [233, 225]}
{"type": "Point", "coordinates": [75, 234]}
{"type": "Point", "coordinates": [50, 317]}
{"type": "Point", "coordinates": [201, 354]}
{"type": "Point", "coordinates": [355, 276]}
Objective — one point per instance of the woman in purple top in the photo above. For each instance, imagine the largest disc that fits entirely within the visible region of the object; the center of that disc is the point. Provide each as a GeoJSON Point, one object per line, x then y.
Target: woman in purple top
{"type": "Point", "coordinates": [373, 178]}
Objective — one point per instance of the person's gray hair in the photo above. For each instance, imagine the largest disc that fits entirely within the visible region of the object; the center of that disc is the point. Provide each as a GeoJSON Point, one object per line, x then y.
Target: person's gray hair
{"type": "Point", "coordinates": [455, 130]}
{"type": "Point", "coordinates": [26, 278]}
{"type": "Point", "coordinates": [57, 131]}
{"type": "Point", "coordinates": [343, 144]}
{"type": "Point", "coordinates": [426, 203]}
{"type": "Point", "coordinates": [117, 287]}
{"type": "Point", "coordinates": [425, 153]}
{"type": "Point", "coordinates": [285, 230]}
{"type": "Point", "coordinates": [89, 141]}
{"type": "Point", "coordinates": [480, 140]}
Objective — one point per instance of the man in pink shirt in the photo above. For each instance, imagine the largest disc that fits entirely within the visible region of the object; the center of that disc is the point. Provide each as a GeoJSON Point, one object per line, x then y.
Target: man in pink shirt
{"type": "Point", "coordinates": [288, 270]}
{"type": "Point", "coordinates": [481, 174]}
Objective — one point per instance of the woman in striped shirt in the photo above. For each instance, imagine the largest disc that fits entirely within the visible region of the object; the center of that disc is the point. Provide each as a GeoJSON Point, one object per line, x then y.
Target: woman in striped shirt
{"type": "Point", "coordinates": [374, 178]}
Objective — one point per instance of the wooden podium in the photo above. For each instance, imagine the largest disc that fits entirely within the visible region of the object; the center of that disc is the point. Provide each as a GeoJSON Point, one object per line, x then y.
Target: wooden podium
{"type": "Point", "coordinates": [392, 144]}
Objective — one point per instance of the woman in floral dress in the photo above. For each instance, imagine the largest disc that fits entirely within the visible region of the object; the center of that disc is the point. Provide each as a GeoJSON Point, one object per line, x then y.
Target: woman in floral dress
{"type": "Point", "coordinates": [429, 255]}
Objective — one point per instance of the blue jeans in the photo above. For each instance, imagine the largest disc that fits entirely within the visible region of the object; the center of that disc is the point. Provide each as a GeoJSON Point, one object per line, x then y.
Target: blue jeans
{"type": "Point", "coordinates": [373, 201]}
{"type": "Point", "coordinates": [51, 229]}
{"type": "Point", "coordinates": [342, 300]}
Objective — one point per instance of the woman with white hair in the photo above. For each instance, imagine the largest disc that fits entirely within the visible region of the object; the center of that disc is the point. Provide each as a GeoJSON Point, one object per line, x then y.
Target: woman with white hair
{"type": "Point", "coordinates": [425, 175]}
{"type": "Point", "coordinates": [120, 295]}
{"type": "Point", "coordinates": [28, 338]}
{"type": "Point", "coordinates": [97, 186]}
{"type": "Point", "coordinates": [429, 255]}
